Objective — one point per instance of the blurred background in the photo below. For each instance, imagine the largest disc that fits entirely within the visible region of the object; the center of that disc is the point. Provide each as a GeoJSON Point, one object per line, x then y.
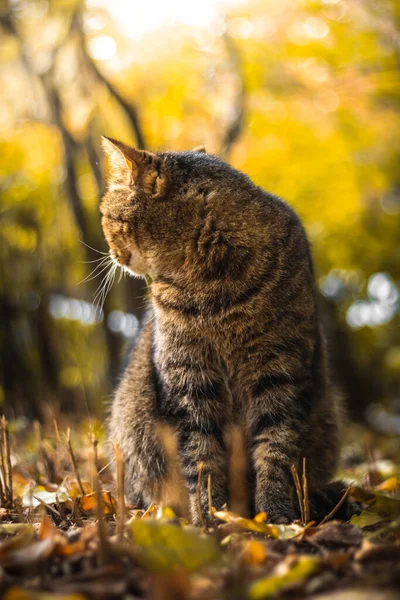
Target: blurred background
{"type": "Point", "coordinates": [302, 95]}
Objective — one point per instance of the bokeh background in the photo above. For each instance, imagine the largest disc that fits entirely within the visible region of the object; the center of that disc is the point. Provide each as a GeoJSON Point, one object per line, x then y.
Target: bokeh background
{"type": "Point", "coordinates": [303, 95]}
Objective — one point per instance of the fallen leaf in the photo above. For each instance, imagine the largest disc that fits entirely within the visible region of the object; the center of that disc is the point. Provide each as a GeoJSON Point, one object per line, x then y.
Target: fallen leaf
{"type": "Point", "coordinates": [366, 519]}
{"type": "Point", "coordinates": [375, 551]}
{"type": "Point", "coordinates": [335, 534]}
{"type": "Point", "coordinates": [389, 485]}
{"type": "Point", "coordinates": [14, 528]}
{"type": "Point", "coordinates": [254, 553]}
{"type": "Point", "coordinates": [87, 503]}
{"type": "Point", "coordinates": [162, 546]}
{"type": "Point", "coordinates": [35, 497]}
{"type": "Point", "coordinates": [34, 553]}
{"type": "Point", "coordinates": [299, 572]}
{"type": "Point", "coordinates": [74, 489]}
{"type": "Point", "coordinates": [19, 593]}
{"type": "Point", "coordinates": [249, 524]}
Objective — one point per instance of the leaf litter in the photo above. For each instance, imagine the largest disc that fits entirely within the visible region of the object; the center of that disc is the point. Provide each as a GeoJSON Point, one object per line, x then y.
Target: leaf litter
{"type": "Point", "coordinates": [75, 538]}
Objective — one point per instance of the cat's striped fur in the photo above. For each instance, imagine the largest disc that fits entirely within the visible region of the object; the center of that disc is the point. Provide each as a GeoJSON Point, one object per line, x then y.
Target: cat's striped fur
{"type": "Point", "coordinates": [232, 335]}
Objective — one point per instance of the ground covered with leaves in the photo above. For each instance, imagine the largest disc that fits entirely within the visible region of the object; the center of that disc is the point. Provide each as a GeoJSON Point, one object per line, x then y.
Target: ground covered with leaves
{"type": "Point", "coordinates": [66, 532]}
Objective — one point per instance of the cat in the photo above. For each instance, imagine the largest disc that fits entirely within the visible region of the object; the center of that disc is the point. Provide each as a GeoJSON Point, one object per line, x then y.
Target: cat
{"type": "Point", "coordinates": [232, 335]}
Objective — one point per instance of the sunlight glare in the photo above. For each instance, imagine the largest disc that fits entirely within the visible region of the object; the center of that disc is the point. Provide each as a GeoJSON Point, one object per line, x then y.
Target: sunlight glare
{"type": "Point", "coordinates": [138, 18]}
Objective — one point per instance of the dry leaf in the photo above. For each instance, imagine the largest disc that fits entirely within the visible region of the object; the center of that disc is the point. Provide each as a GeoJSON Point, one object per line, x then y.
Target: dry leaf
{"type": "Point", "coordinates": [87, 503]}
{"type": "Point", "coordinates": [249, 524]}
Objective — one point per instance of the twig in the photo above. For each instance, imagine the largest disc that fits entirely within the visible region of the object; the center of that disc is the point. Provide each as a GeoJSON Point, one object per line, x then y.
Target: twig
{"type": "Point", "coordinates": [93, 460]}
{"type": "Point", "coordinates": [298, 490]}
{"type": "Point", "coordinates": [3, 481]}
{"type": "Point", "coordinates": [120, 492]}
{"type": "Point", "coordinates": [235, 127]}
{"type": "Point", "coordinates": [57, 431]}
{"type": "Point", "coordinates": [306, 502]}
{"type": "Point", "coordinates": [101, 528]}
{"type": "Point", "coordinates": [45, 505]}
{"type": "Point", "coordinates": [209, 493]}
{"type": "Point", "coordinates": [173, 491]}
{"type": "Point", "coordinates": [198, 492]}
{"type": "Point", "coordinates": [129, 109]}
{"type": "Point", "coordinates": [338, 505]}
{"type": "Point", "coordinates": [6, 459]}
{"type": "Point", "coordinates": [236, 443]}
{"type": "Point", "coordinates": [73, 460]}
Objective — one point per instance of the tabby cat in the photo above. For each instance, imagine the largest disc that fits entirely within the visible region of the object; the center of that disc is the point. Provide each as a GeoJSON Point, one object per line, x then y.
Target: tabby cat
{"type": "Point", "coordinates": [232, 334]}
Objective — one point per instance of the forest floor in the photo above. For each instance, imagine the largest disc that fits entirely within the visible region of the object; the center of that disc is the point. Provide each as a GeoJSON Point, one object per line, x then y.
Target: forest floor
{"type": "Point", "coordinates": [66, 533]}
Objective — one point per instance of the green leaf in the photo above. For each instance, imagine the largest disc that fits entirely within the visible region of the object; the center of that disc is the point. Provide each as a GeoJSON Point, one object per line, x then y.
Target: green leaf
{"type": "Point", "coordinates": [366, 519]}
{"type": "Point", "coordinates": [299, 572]}
{"type": "Point", "coordinates": [162, 546]}
{"type": "Point", "coordinates": [385, 505]}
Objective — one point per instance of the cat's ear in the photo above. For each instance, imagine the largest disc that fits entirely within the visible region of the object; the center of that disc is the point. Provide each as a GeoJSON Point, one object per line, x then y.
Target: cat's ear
{"type": "Point", "coordinates": [200, 149]}
{"type": "Point", "coordinates": [130, 165]}
{"type": "Point", "coordinates": [124, 159]}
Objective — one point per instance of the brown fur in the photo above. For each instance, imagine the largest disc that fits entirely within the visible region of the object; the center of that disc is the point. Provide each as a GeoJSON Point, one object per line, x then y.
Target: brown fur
{"type": "Point", "coordinates": [232, 336]}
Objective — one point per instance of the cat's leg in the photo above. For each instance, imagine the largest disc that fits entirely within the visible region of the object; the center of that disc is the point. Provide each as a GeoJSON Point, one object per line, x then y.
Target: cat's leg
{"type": "Point", "coordinates": [278, 426]}
{"type": "Point", "coordinates": [194, 405]}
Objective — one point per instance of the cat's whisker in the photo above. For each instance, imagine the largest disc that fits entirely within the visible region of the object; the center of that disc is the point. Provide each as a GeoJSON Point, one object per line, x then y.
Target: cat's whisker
{"type": "Point", "coordinates": [108, 285]}
{"type": "Point", "coordinates": [121, 274]}
{"type": "Point", "coordinates": [88, 262]}
{"type": "Point", "coordinates": [95, 273]}
{"type": "Point", "coordinates": [94, 249]}
{"type": "Point", "coordinates": [105, 286]}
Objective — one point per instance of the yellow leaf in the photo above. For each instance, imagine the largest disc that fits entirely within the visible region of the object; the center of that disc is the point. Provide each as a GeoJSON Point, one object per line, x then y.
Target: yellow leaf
{"type": "Point", "coordinates": [254, 553]}
{"type": "Point", "coordinates": [162, 546]}
{"type": "Point", "coordinates": [389, 485]}
{"type": "Point", "coordinates": [260, 517]}
{"type": "Point", "coordinates": [19, 593]}
{"type": "Point", "coordinates": [87, 503]}
{"type": "Point", "coordinates": [300, 571]}
{"type": "Point", "coordinates": [249, 524]}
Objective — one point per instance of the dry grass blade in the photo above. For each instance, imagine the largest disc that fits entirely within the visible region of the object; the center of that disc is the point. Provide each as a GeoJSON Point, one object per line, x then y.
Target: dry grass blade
{"type": "Point", "coordinates": [93, 460]}
{"type": "Point", "coordinates": [101, 527]}
{"type": "Point", "coordinates": [119, 461]}
{"type": "Point", "coordinates": [73, 460]}
{"type": "Point", "coordinates": [200, 467]}
{"type": "Point", "coordinates": [238, 487]}
{"type": "Point", "coordinates": [298, 490]}
{"type": "Point", "coordinates": [173, 491]}
{"type": "Point", "coordinates": [306, 502]}
{"type": "Point", "coordinates": [338, 505]}
{"type": "Point", "coordinates": [46, 506]}
{"type": "Point", "coordinates": [56, 430]}
{"type": "Point", "coordinates": [6, 464]}
{"type": "Point", "coordinates": [209, 495]}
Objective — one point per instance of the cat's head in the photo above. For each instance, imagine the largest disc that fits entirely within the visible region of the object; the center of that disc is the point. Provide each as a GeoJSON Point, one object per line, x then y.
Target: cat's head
{"type": "Point", "coordinates": [153, 213]}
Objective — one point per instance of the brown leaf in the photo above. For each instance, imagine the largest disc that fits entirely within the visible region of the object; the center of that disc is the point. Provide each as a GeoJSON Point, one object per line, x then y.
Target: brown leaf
{"type": "Point", "coordinates": [374, 551]}
{"type": "Point", "coordinates": [87, 503]}
{"type": "Point", "coordinates": [32, 554]}
{"type": "Point", "coordinates": [334, 534]}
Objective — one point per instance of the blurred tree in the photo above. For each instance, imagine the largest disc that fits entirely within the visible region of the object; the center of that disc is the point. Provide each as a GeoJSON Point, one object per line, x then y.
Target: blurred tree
{"type": "Point", "coordinates": [303, 96]}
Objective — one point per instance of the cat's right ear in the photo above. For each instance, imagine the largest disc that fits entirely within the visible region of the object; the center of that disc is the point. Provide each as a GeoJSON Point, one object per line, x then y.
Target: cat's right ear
{"type": "Point", "coordinates": [119, 164]}
{"type": "Point", "coordinates": [126, 162]}
{"type": "Point", "coordinates": [200, 149]}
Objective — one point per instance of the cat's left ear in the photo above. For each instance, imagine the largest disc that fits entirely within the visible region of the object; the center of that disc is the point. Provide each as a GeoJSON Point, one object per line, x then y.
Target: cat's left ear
{"type": "Point", "coordinates": [136, 166]}
{"type": "Point", "coordinates": [123, 157]}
